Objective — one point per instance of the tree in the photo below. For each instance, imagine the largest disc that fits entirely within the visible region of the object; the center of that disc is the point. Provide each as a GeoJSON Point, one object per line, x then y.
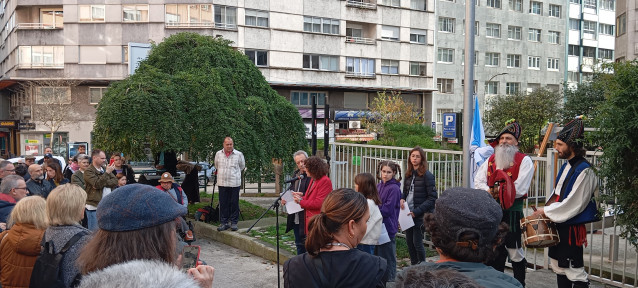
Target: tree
{"type": "Point", "coordinates": [531, 110]}
{"type": "Point", "coordinates": [391, 108]}
{"type": "Point", "coordinates": [190, 93]}
{"type": "Point", "coordinates": [618, 122]}
{"type": "Point", "coordinates": [584, 99]}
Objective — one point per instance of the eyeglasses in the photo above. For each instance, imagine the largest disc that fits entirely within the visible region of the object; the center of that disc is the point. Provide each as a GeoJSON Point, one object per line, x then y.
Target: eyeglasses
{"type": "Point", "coordinates": [9, 170]}
{"type": "Point", "coordinates": [25, 188]}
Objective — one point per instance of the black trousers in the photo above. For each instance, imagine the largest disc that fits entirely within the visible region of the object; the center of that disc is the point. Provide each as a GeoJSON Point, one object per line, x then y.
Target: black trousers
{"type": "Point", "coordinates": [229, 204]}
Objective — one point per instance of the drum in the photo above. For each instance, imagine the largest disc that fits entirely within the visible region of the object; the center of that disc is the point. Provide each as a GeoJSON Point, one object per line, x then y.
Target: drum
{"type": "Point", "coordinates": [539, 232]}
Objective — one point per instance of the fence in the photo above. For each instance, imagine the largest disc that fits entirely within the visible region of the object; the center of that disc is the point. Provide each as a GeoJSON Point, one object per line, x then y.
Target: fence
{"type": "Point", "coordinates": [608, 257]}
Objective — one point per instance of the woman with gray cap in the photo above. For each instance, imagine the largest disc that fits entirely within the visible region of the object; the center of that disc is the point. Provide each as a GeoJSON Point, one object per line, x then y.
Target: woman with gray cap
{"type": "Point", "coordinates": [466, 227]}
{"type": "Point", "coordinates": [136, 243]}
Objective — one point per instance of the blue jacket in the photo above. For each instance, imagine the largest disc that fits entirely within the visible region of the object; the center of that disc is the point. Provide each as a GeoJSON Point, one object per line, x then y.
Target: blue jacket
{"type": "Point", "coordinates": [390, 194]}
{"type": "Point", "coordinates": [424, 193]}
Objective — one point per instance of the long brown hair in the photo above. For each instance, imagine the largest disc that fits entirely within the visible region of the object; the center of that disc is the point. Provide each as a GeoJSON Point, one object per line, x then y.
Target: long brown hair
{"type": "Point", "coordinates": [367, 186]}
{"type": "Point", "coordinates": [424, 163]}
{"type": "Point", "coordinates": [58, 170]}
{"type": "Point", "coordinates": [339, 207]}
{"type": "Point", "coordinates": [108, 248]}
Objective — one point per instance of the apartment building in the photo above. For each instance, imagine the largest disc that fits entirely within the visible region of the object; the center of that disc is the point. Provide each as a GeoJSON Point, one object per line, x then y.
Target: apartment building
{"type": "Point", "coordinates": [339, 52]}
{"type": "Point", "coordinates": [520, 45]}
{"type": "Point", "coordinates": [591, 38]}
{"type": "Point", "coordinates": [626, 30]}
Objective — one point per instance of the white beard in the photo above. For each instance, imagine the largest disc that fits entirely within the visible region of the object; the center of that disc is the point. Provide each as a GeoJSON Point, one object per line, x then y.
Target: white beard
{"type": "Point", "coordinates": [504, 156]}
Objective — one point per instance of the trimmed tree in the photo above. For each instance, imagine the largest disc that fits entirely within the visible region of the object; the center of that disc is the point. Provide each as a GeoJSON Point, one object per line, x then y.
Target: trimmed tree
{"type": "Point", "coordinates": [188, 95]}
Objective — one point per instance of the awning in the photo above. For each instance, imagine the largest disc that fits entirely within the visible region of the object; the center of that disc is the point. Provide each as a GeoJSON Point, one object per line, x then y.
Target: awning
{"type": "Point", "coordinates": [349, 115]}
{"type": "Point", "coordinates": [306, 113]}
{"type": "Point", "coordinates": [344, 87]}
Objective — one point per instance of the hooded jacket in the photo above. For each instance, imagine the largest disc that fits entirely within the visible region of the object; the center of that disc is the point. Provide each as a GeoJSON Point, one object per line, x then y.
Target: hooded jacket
{"type": "Point", "coordinates": [6, 206]}
{"type": "Point", "coordinates": [18, 251]}
{"type": "Point", "coordinates": [390, 194]}
{"type": "Point", "coordinates": [138, 274]}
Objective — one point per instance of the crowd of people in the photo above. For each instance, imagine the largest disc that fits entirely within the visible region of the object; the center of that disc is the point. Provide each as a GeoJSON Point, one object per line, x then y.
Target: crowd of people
{"type": "Point", "coordinates": [344, 237]}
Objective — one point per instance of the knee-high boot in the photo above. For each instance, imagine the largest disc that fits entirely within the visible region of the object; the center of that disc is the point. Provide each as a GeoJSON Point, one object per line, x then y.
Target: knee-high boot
{"type": "Point", "coordinates": [563, 282]}
{"type": "Point", "coordinates": [519, 269]}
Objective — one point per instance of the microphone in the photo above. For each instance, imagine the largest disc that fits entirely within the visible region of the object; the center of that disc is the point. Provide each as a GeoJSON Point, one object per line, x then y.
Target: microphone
{"type": "Point", "coordinates": [295, 178]}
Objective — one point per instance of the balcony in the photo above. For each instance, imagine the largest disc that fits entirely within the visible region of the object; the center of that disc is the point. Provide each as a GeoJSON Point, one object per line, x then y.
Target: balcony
{"type": "Point", "coordinates": [39, 17]}
{"type": "Point", "coordinates": [39, 26]}
{"type": "Point", "coordinates": [224, 26]}
{"type": "Point", "coordinates": [359, 40]}
{"type": "Point", "coordinates": [358, 74]}
{"type": "Point", "coordinates": [363, 4]}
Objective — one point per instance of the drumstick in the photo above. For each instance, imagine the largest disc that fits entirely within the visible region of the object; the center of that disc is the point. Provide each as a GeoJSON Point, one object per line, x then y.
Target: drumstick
{"type": "Point", "coordinates": [533, 207]}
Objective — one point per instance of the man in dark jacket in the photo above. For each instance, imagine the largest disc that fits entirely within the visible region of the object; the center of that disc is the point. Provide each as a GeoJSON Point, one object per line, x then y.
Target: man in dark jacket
{"type": "Point", "coordinates": [37, 185]}
{"type": "Point", "coordinates": [12, 189]}
{"type": "Point", "coordinates": [296, 220]}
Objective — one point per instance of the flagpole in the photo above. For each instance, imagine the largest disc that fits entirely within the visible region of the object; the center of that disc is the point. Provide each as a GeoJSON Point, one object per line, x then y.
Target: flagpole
{"type": "Point", "coordinates": [469, 89]}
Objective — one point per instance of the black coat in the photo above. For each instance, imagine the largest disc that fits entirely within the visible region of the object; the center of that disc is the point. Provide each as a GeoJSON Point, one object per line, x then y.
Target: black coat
{"type": "Point", "coordinates": [302, 186]}
{"type": "Point", "coordinates": [424, 193]}
{"type": "Point", "coordinates": [128, 172]}
{"type": "Point", "coordinates": [191, 186]}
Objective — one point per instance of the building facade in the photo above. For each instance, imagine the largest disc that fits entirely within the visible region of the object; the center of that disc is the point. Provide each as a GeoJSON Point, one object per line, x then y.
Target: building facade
{"type": "Point", "coordinates": [339, 52]}
{"type": "Point", "coordinates": [627, 30]}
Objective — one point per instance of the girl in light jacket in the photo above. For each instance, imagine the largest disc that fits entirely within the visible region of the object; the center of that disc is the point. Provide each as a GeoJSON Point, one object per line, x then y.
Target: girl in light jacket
{"type": "Point", "coordinates": [364, 183]}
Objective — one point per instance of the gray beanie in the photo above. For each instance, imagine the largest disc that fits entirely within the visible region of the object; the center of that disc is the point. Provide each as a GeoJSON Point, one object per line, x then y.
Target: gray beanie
{"type": "Point", "coordinates": [460, 210]}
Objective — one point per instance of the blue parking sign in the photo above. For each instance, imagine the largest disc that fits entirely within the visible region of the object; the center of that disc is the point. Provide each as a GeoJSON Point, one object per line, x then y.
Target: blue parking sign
{"type": "Point", "coordinates": [449, 125]}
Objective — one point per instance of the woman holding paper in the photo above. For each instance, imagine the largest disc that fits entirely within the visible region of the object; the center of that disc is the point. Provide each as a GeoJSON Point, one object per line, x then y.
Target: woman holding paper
{"type": "Point", "coordinates": [319, 187]}
{"type": "Point", "coordinates": [419, 193]}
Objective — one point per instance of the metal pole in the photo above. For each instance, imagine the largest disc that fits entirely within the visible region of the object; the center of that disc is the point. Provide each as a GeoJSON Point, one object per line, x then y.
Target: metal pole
{"type": "Point", "coordinates": [469, 89]}
{"type": "Point", "coordinates": [313, 127]}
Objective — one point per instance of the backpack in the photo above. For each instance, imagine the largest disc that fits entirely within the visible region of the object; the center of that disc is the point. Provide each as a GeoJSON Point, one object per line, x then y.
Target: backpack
{"type": "Point", "coordinates": [46, 271]}
{"type": "Point", "coordinates": [207, 214]}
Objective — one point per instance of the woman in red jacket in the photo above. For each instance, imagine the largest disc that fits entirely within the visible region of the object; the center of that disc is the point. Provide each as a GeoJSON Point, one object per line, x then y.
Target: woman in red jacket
{"type": "Point", "coordinates": [319, 187]}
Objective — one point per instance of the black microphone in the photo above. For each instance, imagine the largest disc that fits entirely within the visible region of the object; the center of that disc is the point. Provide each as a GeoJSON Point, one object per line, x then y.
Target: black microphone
{"type": "Point", "coordinates": [295, 179]}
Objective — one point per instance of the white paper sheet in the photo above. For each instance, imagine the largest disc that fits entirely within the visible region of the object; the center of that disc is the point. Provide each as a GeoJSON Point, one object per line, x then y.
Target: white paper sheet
{"type": "Point", "coordinates": [291, 206]}
{"type": "Point", "coordinates": [405, 220]}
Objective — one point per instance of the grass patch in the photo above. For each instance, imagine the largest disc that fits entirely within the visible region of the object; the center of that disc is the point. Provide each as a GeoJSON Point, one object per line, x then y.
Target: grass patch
{"type": "Point", "coordinates": [269, 235]}
{"type": "Point", "coordinates": [248, 210]}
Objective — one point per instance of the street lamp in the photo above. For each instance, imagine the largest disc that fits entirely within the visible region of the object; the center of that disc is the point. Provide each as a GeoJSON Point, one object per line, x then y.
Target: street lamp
{"type": "Point", "coordinates": [486, 89]}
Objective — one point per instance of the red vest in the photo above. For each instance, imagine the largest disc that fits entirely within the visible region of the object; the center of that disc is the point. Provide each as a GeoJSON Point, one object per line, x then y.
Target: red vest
{"type": "Point", "coordinates": [512, 171]}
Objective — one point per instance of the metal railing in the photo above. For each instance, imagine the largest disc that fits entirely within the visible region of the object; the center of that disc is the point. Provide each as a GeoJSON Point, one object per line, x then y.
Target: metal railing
{"type": "Point", "coordinates": [608, 257]}
{"type": "Point", "coordinates": [361, 4]}
{"type": "Point", "coordinates": [360, 74]}
{"type": "Point", "coordinates": [360, 40]}
{"type": "Point", "coordinates": [38, 26]}
{"type": "Point", "coordinates": [224, 26]}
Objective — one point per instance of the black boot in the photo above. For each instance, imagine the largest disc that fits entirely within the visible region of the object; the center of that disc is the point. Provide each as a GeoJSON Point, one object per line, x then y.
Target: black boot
{"type": "Point", "coordinates": [579, 284]}
{"type": "Point", "coordinates": [563, 282]}
{"type": "Point", "coordinates": [519, 269]}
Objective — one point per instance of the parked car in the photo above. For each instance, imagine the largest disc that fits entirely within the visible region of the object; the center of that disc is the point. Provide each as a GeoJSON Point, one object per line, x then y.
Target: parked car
{"type": "Point", "coordinates": [206, 174]}
{"type": "Point", "coordinates": [37, 158]}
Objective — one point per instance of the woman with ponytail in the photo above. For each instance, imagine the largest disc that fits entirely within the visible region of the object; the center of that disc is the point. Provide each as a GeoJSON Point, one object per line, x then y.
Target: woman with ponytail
{"type": "Point", "coordinates": [332, 259]}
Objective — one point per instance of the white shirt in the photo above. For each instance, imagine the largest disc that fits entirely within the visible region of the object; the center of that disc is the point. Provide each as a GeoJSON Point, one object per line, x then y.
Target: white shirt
{"type": "Point", "coordinates": [585, 186]}
{"type": "Point", "coordinates": [522, 183]}
{"type": "Point", "coordinates": [229, 168]}
{"type": "Point", "coordinates": [374, 225]}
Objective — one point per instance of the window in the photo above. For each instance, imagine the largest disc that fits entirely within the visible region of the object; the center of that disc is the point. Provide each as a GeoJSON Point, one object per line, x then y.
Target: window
{"type": "Point", "coordinates": [446, 24]}
{"type": "Point", "coordinates": [606, 54]}
{"type": "Point", "coordinates": [390, 32]}
{"type": "Point", "coordinates": [513, 61]}
{"type": "Point", "coordinates": [536, 7]}
{"type": "Point", "coordinates": [493, 30]}
{"type": "Point", "coordinates": [259, 57]}
{"type": "Point", "coordinates": [608, 5]}
{"type": "Point", "coordinates": [445, 85]}
{"type": "Point", "coordinates": [389, 66]}
{"type": "Point", "coordinates": [553, 37]}
{"type": "Point", "coordinates": [491, 59]}
{"type": "Point", "coordinates": [95, 94]}
{"type": "Point", "coordinates": [534, 35]}
{"type": "Point", "coordinates": [494, 3]}
{"type": "Point", "coordinates": [188, 15]}
{"type": "Point", "coordinates": [134, 13]}
{"type": "Point", "coordinates": [516, 5]}
{"type": "Point", "coordinates": [445, 55]}
{"type": "Point", "coordinates": [321, 62]}
{"type": "Point", "coordinates": [418, 36]}
{"type": "Point", "coordinates": [41, 57]}
{"type": "Point", "coordinates": [574, 24]}
{"type": "Point", "coordinates": [51, 18]}
{"type": "Point", "coordinates": [53, 95]}
{"type": "Point", "coordinates": [621, 23]}
{"type": "Point", "coordinates": [573, 50]}
{"type": "Point", "coordinates": [304, 98]}
{"type": "Point", "coordinates": [125, 54]}
{"type": "Point", "coordinates": [552, 64]}
{"type": "Point", "coordinates": [395, 3]}
{"type": "Point", "coordinates": [606, 29]}
{"type": "Point", "coordinates": [321, 25]}
{"type": "Point", "coordinates": [476, 54]}
{"type": "Point", "coordinates": [512, 88]}
{"type": "Point", "coordinates": [92, 13]}
{"type": "Point", "coordinates": [573, 76]}
{"type": "Point", "coordinates": [225, 17]}
{"type": "Point", "coordinates": [591, 4]}
{"type": "Point", "coordinates": [534, 62]}
{"type": "Point", "coordinates": [354, 32]}
{"type": "Point", "coordinates": [589, 52]}
{"type": "Point", "coordinates": [474, 88]}
{"type": "Point", "coordinates": [575, 1]}
{"type": "Point", "coordinates": [256, 18]}
{"type": "Point", "coordinates": [418, 69]}
{"type": "Point", "coordinates": [417, 5]}
{"type": "Point", "coordinates": [359, 67]}
{"type": "Point", "coordinates": [514, 33]}
{"type": "Point", "coordinates": [589, 29]}
{"type": "Point", "coordinates": [554, 11]}
{"type": "Point", "coordinates": [476, 28]}
{"type": "Point", "coordinates": [491, 88]}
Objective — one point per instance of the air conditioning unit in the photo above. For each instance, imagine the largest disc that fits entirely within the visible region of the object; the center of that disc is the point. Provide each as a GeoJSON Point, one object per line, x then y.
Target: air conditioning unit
{"type": "Point", "coordinates": [354, 124]}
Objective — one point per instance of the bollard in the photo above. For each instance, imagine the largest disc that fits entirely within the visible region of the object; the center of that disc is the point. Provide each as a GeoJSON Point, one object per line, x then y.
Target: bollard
{"type": "Point", "coordinates": [613, 247]}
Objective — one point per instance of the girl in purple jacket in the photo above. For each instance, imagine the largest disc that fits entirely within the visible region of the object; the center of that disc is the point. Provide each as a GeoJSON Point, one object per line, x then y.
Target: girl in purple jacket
{"type": "Point", "coordinates": [390, 193]}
